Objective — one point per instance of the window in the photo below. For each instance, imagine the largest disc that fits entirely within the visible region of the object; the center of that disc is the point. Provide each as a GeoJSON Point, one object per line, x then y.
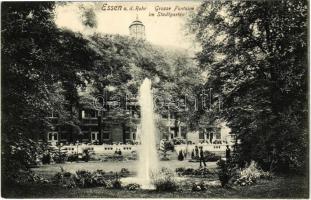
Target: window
{"type": "Point", "coordinates": [217, 134]}
{"type": "Point", "coordinates": [90, 114]}
{"type": "Point", "coordinates": [127, 133]}
{"type": "Point", "coordinates": [50, 136]}
{"type": "Point", "coordinates": [164, 116]}
{"type": "Point", "coordinates": [134, 136]}
{"type": "Point", "coordinates": [53, 114]}
{"type": "Point", "coordinates": [106, 131]}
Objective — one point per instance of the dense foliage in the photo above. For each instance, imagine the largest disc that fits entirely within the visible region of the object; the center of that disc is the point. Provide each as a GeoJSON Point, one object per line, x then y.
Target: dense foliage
{"type": "Point", "coordinates": [255, 53]}
{"type": "Point", "coordinates": [19, 156]}
{"type": "Point", "coordinates": [44, 69]}
{"type": "Point", "coordinates": [164, 180]}
{"type": "Point", "coordinates": [123, 63]}
{"type": "Point", "coordinates": [87, 179]}
{"type": "Point", "coordinates": [41, 67]}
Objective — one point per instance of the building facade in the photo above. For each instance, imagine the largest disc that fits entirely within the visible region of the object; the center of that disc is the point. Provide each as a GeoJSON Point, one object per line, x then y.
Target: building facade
{"type": "Point", "coordinates": [122, 127]}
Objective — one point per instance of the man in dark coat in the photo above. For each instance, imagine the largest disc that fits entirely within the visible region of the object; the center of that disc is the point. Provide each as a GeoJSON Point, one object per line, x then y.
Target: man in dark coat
{"type": "Point", "coordinates": [202, 157]}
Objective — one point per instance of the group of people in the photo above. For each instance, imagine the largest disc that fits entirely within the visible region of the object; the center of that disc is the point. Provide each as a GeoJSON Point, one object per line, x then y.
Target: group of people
{"type": "Point", "coordinates": [199, 153]}
{"type": "Point", "coordinates": [118, 152]}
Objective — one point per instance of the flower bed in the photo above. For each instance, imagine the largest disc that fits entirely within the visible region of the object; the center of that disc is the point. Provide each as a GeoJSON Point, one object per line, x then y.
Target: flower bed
{"type": "Point", "coordinates": [87, 179]}
{"type": "Point", "coordinates": [251, 174]}
{"type": "Point", "coordinates": [201, 172]}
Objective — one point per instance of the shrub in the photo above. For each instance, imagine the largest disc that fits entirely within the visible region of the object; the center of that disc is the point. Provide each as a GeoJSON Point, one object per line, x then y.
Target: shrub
{"type": "Point", "coordinates": [133, 186]}
{"type": "Point", "coordinates": [208, 157]}
{"type": "Point", "coordinates": [65, 179]}
{"type": "Point", "coordinates": [98, 178]}
{"type": "Point", "coordinates": [211, 157]}
{"type": "Point", "coordinates": [133, 155]}
{"type": "Point", "coordinates": [124, 172]}
{"type": "Point", "coordinates": [203, 172]}
{"type": "Point", "coordinates": [180, 156]}
{"type": "Point", "coordinates": [199, 186]}
{"type": "Point", "coordinates": [86, 155]}
{"type": "Point", "coordinates": [28, 177]}
{"type": "Point", "coordinates": [46, 159]}
{"type": "Point", "coordinates": [101, 172]}
{"type": "Point", "coordinates": [82, 178]}
{"type": "Point", "coordinates": [165, 147]}
{"type": "Point", "coordinates": [60, 157]}
{"type": "Point", "coordinates": [57, 155]}
{"type": "Point", "coordinates": [224, 172]}
{"type": "Point", "coordinates": [251, 174]}
{"type": "Point", "coordinates": [109, 184]}
{"type": "Point", "coordinates": [114, 158]}
{"type": "Point", "coordinates": [73, 157]}
{"type": "Point", "coordinates": [169, 146]}
{"type": "Point", "coordinates": [86, 179]}
{"type": "Point", "coordinates": [180, 171]}
{"type": "Point", "coordinates": [189, 171]}
{"type": "Point", "coordinates": [18, 154]}
{"type": "Point", "coordinates": [116, 183]}
{"type": "Point", "coordinates": [164, 180]}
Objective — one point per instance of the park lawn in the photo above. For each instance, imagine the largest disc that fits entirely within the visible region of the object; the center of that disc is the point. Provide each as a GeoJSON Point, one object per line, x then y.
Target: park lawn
{"type": "Point", "coordinates": [279, 187]}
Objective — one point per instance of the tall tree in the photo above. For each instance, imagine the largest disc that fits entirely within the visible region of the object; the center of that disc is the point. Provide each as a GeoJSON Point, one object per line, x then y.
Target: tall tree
{"type": "Point", "coordinates": [41, 67]}
{"type": "Point", "coordinates": [256, 55]}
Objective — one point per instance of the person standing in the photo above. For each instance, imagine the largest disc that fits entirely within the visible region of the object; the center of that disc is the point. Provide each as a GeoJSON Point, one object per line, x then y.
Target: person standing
{"type": "Point", "coordinates": [228, 151]}
{"type": "Point", "coordinates": [202, 157]}
{"type": "Point", "coordinates": [192, 154]}
{"type": "Point", "coordinates": [196, 151]}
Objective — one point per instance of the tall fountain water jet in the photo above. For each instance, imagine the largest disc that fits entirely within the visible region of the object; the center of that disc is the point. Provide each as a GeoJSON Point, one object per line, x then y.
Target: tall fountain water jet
{"type": "Point", "coordinates": [148, 159]}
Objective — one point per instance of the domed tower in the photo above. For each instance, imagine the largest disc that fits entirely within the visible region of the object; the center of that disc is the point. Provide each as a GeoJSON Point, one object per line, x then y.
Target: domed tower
{"type": "Point", "coordinates": [137, 29]}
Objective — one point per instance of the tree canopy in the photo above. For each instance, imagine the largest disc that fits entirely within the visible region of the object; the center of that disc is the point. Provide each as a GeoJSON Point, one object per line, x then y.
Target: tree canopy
{"type": "Point", "coordinates": [255, 53]}
{"type": "Point", "coordinates": [45, 66]}
{"type": "Point", "coordinates": [41, 67]}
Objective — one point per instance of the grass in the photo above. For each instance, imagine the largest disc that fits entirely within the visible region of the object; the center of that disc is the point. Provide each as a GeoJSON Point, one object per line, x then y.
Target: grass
{"type": "Point", "coordinates": [279, 187]}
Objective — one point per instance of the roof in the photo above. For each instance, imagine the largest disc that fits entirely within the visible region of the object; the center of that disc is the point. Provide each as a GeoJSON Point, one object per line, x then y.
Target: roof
{"type": "Point", "coordinates": [136, 22]}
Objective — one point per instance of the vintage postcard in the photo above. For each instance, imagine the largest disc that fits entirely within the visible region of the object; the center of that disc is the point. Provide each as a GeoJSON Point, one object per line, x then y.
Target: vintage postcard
{"type": "Point", "coordinates": [155, 99]}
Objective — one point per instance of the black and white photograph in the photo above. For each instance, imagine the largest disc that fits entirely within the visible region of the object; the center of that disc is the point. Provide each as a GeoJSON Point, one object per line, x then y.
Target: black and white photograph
{"type": "Point", "coordinates": [155, 99]}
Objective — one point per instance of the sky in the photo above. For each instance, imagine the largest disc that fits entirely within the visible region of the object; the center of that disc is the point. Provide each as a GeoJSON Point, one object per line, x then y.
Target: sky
{"type": "Point", "coordinates": [160, 30]}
